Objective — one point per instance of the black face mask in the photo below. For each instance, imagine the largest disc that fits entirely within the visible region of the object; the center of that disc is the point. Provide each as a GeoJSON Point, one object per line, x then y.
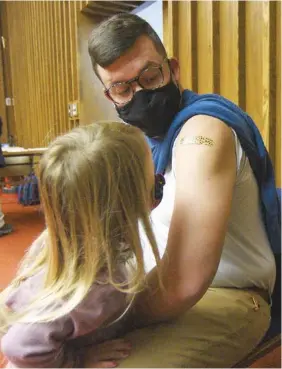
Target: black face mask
{"type": "Point", "coordinates": [152, 110]}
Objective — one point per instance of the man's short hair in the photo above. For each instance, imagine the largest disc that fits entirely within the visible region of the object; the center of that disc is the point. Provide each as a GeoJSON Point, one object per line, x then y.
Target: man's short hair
{"type": "Point", "coordinates": [115, 36]}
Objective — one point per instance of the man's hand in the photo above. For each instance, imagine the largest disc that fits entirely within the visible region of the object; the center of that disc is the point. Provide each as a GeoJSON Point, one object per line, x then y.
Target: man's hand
{"type": "Point", "coordinates": [107, 354]}
{"type": "Point", "coordinates": [205, 179]}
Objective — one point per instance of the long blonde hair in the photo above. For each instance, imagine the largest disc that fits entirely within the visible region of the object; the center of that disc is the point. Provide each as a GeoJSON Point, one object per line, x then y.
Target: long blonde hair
{"type": "Point", "coordinates": [95, 187]}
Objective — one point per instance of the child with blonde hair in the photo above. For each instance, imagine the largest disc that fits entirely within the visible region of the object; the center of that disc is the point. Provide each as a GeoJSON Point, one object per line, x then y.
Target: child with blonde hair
{"type": "Point", "coordinates": [74, 287]}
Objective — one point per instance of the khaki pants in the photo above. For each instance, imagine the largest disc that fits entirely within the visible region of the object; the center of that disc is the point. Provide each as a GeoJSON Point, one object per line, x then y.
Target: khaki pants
{"type": "Point", "coordinates": [219, 331]}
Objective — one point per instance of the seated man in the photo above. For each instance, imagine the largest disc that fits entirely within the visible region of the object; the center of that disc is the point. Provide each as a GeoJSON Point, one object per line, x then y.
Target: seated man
{"type": "Point", "coordinates": [4, 228]}
{"type": "Point", "coordinates": [218, 224]}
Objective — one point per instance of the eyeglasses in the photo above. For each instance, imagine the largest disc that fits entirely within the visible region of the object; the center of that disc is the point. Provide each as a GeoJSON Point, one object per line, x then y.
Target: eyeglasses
{"type": "Point", "coordinates": [151, 78]}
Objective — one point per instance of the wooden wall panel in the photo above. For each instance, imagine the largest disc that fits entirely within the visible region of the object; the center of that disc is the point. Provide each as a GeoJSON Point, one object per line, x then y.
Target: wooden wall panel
{"type": "Point", "coordinates": [42, 47]}
{"type": "Point", "coordinates": [2, 96]}
{"type": "Point", "coordinates": [229, 53]}
{"type": "Point", "coordinates": [187, 21]}
{"type": "Point", "coordinates": [278, 133]}
{"type": "Point", "coordinates": [171, 25]}
{"type": "Point", "coordinates": [10, 116]}
{"type": "Point", "coordinates": [93, 105]}
{"type": "Point", "coordinates": [205, 45]}
{"type": "Point", "coordinates": [232, 48]}
{"type": "Point", "coordinates": [257, 64]}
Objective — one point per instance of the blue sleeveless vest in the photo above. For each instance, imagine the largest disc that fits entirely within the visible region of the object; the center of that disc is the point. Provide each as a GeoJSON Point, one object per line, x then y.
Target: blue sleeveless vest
{"type": "Point", "coordinates": [251, 142]}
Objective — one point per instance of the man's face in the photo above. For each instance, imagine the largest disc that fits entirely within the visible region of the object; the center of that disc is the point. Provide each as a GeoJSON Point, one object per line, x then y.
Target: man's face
{"type": "Point", "coordinates": [142, 55]}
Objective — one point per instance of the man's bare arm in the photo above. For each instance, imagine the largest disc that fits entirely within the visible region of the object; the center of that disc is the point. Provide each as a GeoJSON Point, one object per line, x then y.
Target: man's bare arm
{"type": "Point", "coordinates": [205, 178]}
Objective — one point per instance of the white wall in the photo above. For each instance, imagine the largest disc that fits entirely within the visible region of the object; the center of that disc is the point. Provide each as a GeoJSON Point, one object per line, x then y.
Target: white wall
{"type": "Point", "coordinates": [152, 12]}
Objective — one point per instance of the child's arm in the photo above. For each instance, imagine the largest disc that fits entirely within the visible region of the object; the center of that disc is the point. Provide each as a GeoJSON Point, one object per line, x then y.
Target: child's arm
{"type": "Point", "coordinates": [40, 345]}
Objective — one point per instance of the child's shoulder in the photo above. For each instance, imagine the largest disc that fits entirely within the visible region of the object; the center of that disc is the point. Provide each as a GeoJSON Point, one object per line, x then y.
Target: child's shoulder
{"type": "Point", "coordinates": [22, 294]}
{"type": "Point", "coordinates": [38, 243]}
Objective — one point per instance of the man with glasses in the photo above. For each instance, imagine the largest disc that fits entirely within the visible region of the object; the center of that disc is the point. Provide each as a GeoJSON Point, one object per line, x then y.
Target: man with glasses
{"type": "Point", "coordinates": [151, 78]}
{"type": "Point", "coordinates": [216, 241]}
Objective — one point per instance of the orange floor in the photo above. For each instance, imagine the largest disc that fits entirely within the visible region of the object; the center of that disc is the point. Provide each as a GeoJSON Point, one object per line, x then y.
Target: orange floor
{"type": "Point", "coordinates": [28, 222]}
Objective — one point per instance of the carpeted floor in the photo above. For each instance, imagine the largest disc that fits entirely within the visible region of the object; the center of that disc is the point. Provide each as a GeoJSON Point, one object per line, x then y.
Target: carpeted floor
{"type": "Point", "coordinates": [28, 222]}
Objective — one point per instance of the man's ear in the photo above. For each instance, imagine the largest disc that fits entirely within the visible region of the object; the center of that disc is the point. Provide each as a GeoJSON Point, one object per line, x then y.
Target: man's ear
{"type": "Point", "coordinates": [174, 65]}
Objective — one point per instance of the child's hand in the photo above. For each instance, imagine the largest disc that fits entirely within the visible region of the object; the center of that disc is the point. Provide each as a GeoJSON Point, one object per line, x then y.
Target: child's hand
{"type": "Point", "coordinates": [107, 354]}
